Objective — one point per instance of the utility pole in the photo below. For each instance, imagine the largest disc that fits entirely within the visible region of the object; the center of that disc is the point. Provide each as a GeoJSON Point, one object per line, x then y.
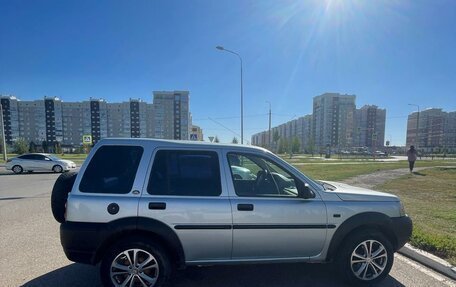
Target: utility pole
{"type": "Point", "coordinates": [5, 157]}
{"type": "Point", "coordinates": [269, 134]}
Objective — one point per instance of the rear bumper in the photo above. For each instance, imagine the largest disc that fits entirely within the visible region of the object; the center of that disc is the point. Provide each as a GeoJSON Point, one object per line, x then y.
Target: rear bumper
{"type": "Point", "coordinates": [402, 228]}
{"type": "Point", "coordinates": [80, 241]}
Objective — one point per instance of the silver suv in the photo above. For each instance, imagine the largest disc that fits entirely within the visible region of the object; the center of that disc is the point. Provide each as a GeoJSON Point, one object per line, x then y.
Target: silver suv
{"type": "Point", "coordinates": [145, 207]}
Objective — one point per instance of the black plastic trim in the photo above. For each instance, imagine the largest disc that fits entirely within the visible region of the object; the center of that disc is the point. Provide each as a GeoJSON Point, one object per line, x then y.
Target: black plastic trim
{"type": "Point", "coordinates": [202, 226]}
{"type": "Point", "coordinates": [396, 229]}
{"type": "Point", "coordinates": [283, 226]}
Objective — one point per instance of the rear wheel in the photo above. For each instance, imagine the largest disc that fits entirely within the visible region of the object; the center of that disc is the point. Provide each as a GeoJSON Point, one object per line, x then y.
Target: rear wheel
{"type": "Point", "coordinates": [365, 258]}
{"type": "Point", "coordinates": [135, 262]}
{"type": "Point", "coordinates": [17, 169]}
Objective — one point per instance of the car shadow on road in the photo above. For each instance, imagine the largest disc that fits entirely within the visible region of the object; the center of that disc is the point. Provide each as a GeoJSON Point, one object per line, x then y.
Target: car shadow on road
{"type": "Point", "coordinates": [283, 275]}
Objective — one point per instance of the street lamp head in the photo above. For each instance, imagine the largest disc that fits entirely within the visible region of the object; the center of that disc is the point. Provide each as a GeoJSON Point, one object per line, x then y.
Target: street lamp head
{"type": "Point", "coordinates": [220, 48]}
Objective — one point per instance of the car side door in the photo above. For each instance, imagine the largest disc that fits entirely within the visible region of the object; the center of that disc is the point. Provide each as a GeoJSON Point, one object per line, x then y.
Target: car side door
{"type": "Point", "coordinates": [185, 191]}
{"type": "Point", "coordinates": [42, 162]}
{"type": "Point", "coordinates": [270, 219]}
{"type": "Point", "coordinates": [108, 184]}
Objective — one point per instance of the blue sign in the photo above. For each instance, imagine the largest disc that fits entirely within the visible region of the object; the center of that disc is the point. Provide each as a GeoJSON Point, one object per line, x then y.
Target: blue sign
{"type": "Point", "coordinates": [193, 137]}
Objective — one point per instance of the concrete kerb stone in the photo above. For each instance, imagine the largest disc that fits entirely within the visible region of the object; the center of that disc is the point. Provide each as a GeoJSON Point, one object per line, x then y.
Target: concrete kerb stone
{"type": "Point", "coordinates": [429, 260]}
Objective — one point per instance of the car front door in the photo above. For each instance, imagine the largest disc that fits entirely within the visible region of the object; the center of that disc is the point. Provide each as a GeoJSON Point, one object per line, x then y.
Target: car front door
{"type": "Point", "coordinates": [186, 192]}
{"type": "Point", "coordinates": [42, 162]}
{"type": "Point", "coordinates": [270, 219]}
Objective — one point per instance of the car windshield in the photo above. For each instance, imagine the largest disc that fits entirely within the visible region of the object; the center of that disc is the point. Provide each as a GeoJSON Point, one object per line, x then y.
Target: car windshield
{"type": "Point", "coordinates": [53, 157]}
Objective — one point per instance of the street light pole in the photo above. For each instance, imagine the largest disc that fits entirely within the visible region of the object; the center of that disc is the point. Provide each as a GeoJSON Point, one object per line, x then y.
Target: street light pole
{"type": "Point", "coordinates": [242, 90]}
{"type": "Point", "coordinates": [417, 126]}
{"type": "Point", "coordinates": [5, 157]}
{"type": "Point", "coordinates": [269, 133]}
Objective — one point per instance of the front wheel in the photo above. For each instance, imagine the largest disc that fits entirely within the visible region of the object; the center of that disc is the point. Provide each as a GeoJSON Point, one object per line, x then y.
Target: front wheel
{"type": "Point", "coordinates": [135, 262]}
{"type": "Point", "coordinates": [57, 169]}
{"type": "Point", "coordinates": [365, 258]}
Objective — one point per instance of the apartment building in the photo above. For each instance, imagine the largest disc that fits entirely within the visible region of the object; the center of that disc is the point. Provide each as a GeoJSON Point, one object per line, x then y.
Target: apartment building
{"type": "Point", "coordinates": [172, 115]}
{"type": "Point", "coordinates": [10, 113]}
{"type": "Point", "coordinates": [333, 120]}
{"type": "Point", "coordinates": [370, 127]}
{"type": "Point", "coordinates": [52, 120]}
{"type": "Point", "coordinates": [432, 130]}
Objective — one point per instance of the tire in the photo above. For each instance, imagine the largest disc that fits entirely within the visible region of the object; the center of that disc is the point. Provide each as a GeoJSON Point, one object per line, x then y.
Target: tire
{"type": "Point", "coordinates": [145, 249]}
{"type": "Point", "coordinates": [364, 264]}
{"type": "Point", "coordinates": [62, 187]}
{"type": "Point", "coordinates": [57, 169]}
{"type": "Point", "coordinates": [17, 169]}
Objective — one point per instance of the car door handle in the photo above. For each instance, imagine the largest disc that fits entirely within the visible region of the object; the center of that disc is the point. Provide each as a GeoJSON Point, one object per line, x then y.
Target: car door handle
{"type": "Point", "coordinates": [157, 205]}
{"type": "Point", "coordinates": [245, 207]}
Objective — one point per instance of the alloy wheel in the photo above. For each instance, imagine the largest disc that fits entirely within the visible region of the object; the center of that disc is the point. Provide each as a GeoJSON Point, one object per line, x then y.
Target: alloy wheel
{"type": "Point", "coordinates": [134, 267]}
{"type": "Point", "coordinates": [368, 260]}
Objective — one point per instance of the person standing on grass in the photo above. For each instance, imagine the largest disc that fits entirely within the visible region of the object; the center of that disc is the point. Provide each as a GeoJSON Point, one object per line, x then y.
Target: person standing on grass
{"type": "Point", "coordinates": [411, 156]}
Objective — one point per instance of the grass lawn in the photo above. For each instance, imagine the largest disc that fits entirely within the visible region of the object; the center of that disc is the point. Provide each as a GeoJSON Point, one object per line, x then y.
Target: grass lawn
{"type": "Point", "coordinates": [429, 197]}
{"type": "Point", "coordinates": [337, 171]}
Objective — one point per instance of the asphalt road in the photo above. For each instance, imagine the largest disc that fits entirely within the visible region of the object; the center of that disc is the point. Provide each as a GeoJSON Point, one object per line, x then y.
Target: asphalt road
{"type": "Point", "coordinates": [31, 254]}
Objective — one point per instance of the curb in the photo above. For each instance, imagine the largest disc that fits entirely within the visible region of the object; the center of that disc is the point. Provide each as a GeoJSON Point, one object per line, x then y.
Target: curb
{"type": "Point", "coordinates": [429, 260]}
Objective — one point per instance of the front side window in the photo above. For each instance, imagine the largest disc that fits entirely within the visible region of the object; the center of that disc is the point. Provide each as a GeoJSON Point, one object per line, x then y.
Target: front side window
{"type": "Point", "coordinates": [257, 176]}
{"type": "Point", "coordinates": [185, 173]}
{"type": "Point", "coordinates": [112, 170]}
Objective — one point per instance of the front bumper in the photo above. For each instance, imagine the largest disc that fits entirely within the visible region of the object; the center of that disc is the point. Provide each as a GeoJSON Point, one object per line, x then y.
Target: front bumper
{"type": "Point", "coordinates": [402, 228]}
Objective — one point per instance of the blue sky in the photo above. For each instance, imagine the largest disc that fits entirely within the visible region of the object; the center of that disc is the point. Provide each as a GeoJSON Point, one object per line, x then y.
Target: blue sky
{"type": "Point", "coordinates": [388, 53]}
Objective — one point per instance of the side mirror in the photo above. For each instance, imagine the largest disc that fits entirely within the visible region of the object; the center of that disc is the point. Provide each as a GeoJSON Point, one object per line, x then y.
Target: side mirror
{"type": "Point", "coordinates": [304, 190]}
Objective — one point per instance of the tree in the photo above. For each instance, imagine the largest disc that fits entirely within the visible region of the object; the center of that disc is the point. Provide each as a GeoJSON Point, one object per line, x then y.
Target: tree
{"type": "Point", "coordinates": [311, 146]}
{"type": "Point", "coordinates": [45, 146]}
{"type": "Point", "coordinates": [235, 140]}
{"type": "Point", "coordinates": [32, 147]}
{"type": "Point", "coordinates": [216, 139]}
{"type": "Point", "coordinates": [21, 146]}
{"type": "Point", "coordinates": [57, 148]}
{"type": "Point", "coordinates": [296, 145]}
{"type": "Point", "coordinates": [283, 146]}
{"type": "Point", "coordinates": [275, 136]}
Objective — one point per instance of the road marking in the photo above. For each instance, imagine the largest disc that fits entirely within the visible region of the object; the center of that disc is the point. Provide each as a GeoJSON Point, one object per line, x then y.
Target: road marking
{"type": "Point", "coordinates": [429, 272]}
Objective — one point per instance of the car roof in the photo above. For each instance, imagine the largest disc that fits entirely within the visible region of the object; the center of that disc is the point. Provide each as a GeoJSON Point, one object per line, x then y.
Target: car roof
{"type": "Point", "coordinates": [181, 143]}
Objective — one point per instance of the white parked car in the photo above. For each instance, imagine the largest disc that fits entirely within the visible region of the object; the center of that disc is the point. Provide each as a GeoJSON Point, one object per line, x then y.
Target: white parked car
{"type": "Point", "coordinates": [39, 162]}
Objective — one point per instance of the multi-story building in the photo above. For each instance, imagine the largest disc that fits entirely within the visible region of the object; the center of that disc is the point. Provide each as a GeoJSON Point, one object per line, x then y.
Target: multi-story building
{"type": "Point", "coordinates": [10, 118]}
{"type": "Point", "coordinates": [53, 121]}
{"type": "Point", "coordinates": [333, 120]}
{"type": "Point", "coordinates": [128, 119]}
{"type": "Point", "coordinates": [73, 123]}
{"type": "Point", "coordinates": [172, 115]}
{"type": "Point", "coordinates": [432, 130]}
{"type": "Point", "coordinates": [370, 127]}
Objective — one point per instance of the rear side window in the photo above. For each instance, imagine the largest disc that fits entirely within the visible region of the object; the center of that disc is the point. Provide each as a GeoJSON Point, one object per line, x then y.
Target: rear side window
{"type": "Point", "coordinates": [185, 173]}
{"type": "Point", "coordinates": [112, 170]}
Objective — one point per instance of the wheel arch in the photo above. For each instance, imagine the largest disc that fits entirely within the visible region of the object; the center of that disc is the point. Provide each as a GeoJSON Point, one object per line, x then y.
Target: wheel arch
{"type": "Point", "coordinates": [150, 229]}
{"type": "Point", "coordinates": [367, 220]}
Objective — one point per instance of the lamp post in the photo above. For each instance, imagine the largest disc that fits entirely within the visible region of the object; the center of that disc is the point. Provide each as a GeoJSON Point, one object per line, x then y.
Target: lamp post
{"type": "Point", "coordinates": [242, 90]}
{"type": "Point", "coordinates": [5, 157]}
{"type": "Point", "coordinates": [269, 133]}
{"type": "Point", "coordinates": [417, 125]}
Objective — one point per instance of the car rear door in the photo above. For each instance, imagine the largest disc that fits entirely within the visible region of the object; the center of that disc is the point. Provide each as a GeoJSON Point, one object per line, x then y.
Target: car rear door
{"type": "Point", "coordinates": [270, 220]}
{"type": "Point", "coordinates": [108, 185]}
{"type": "Point", "coordinates": [185, 190]}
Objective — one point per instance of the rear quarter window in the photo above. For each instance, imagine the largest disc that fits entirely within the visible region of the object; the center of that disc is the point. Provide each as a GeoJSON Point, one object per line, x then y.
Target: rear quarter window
{"type": "Point", "coordinates": [112, 170]}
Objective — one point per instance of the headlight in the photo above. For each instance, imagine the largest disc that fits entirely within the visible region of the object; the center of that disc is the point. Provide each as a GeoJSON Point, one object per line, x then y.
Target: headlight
{"type": "Point", "coordinates": [402, 209]}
